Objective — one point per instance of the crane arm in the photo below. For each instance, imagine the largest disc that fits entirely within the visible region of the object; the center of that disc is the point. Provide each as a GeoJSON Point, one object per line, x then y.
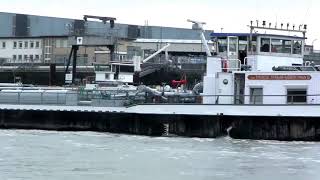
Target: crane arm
{"type": "Point", "coordinates": [156, 53]}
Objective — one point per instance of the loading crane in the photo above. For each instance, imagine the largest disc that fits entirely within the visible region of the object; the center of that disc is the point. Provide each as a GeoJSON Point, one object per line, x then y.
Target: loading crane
{"type": "Point", "coordinates": [79, 42]}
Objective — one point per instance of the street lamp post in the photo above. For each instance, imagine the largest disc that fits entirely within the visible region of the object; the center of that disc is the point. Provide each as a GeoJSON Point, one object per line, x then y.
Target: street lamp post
{"type": "Point", "coordinates": [313, 43]}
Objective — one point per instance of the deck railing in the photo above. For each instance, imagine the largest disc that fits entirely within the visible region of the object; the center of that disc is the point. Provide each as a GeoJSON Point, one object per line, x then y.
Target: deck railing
{"type": "Point", "coordinates": [125, 98]}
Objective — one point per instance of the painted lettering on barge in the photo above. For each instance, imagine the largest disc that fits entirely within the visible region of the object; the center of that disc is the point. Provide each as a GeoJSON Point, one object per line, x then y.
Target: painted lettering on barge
{"type": "Point", "coordinates": [279, 77]}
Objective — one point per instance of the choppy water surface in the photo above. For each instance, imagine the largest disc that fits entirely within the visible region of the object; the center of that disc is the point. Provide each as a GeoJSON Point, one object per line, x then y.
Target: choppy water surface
{"type": "Point", "coordinates": [88, 155]}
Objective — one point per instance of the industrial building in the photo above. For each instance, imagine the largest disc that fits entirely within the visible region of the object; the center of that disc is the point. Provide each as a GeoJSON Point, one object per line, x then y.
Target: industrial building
{"type": "Point", "coordinates": [46, 40]}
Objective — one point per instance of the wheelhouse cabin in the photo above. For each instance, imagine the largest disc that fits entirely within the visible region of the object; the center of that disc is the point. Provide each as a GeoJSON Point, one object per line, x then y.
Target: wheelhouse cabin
{"type": "Point", "coordinates": [266, 51]}
{"type": "Point", "coordinates": [267, 70]}
{"type": "Point", "coordinates": [114, 73]}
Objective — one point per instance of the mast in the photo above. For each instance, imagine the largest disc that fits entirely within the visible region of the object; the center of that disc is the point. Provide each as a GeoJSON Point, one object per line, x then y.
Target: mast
{"type": "Point", "coordinates": [197, 25]}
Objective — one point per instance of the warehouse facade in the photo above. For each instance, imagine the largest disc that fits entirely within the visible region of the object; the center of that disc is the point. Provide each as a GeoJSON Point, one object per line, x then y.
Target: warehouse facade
{"type": "Point", "coordinates": [46, 40]}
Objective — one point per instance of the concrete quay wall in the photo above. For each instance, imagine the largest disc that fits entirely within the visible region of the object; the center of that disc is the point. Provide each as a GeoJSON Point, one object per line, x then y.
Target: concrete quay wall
{"type": "Point", "coordinates": [205, 126]}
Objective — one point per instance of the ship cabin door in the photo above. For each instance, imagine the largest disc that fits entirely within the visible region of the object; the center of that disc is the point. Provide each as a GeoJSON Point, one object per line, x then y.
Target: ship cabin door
{"type": "Point", "coordinates": [233, 52]}
{"type": "Point", "coordinates": [228, 47]}
{"type": "Point", "coordinates": [243, 48]}
{"type": "Point", "coordinates": [233, 48]}
{"type": "Point", "coordinates": [239, 88]}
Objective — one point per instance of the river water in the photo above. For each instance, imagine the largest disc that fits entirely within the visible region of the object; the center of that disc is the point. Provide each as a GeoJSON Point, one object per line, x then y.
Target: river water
{"type": "Point", "coordinates": [88, 155]}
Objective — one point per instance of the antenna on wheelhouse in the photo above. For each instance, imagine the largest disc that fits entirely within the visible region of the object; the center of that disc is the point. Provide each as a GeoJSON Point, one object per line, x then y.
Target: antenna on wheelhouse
{"type": "Point", "coordinates": [302, 29]}
{"type": "Point", "coordinates": [198, 25]}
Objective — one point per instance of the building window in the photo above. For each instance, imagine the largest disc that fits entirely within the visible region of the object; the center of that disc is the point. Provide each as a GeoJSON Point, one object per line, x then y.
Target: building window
{"type": "Point", "coordinates": [14, 45]}
{"type": "Point", "coordinates": [20, 57]}
{"type": "Point", "coordinates": [256, 95]}
{"type": "Point", "coordinates": [20, 45]}
{"type": "Point", "coordinates": [37, 44]}
{"type": "Point", "coordinates": [25, 57]}
{"type": "Point", "coordinates": [31, 57]}
{"type": "Point", "coordinates": [265, 45]}
{"type": "Point", "coordinates": [48, 48]}
{"type": "Point", "coordinates": [296, 96]}
{"type": "Point", "coordinates": [59, 43]}
{"type": "Point", "coordinates": [4, 45]}
{"type": "Point", "coordinates": [37, 57]}
{"type": "Point", "coordinates": [65, 43]}
{"type": "Point", "coordinates": [107, 76]}
{"type": "Point", "coordinates": [31, 44]}
{"type": "Point", "coordinates": [26, 44]}
{"type": "Point", "coordinates": [14, 57]}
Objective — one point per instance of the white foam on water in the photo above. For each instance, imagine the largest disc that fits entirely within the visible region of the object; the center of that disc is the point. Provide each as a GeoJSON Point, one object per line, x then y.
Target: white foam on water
{"type": "Point", "coordinates": [173, 157]}
{"type": "Point", "coordinates": [203, 139]}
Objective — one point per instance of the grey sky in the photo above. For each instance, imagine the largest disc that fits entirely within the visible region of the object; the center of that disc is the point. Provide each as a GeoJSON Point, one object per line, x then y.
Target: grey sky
{"type": "Point", "coordinates": [231, 15]}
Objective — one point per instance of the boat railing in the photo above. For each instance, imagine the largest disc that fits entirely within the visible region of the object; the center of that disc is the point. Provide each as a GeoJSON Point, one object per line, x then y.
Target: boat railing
{"type": "Point", "coordinates": [291, 99]}
{"type": "Point", "coordinates": [229, 65]}
{"type": "Point", "coordinates": [250, 61]}
{"type": "Point", "coordinates": [129, 98]}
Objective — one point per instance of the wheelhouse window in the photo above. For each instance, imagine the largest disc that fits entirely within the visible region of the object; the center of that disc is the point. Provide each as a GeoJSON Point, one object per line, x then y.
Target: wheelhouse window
{"type": "Point", "coordinates": [296, 96]}
{"type": "Point", "coordinates": [102, 67]}
{"type": "Point", "coordinates": [256, 95]}
{"type": "Point", "coordinates": [128, 69]}
{"type": "Point", "coordinates": [107, 76]}
{"type": "Point", "coordinates": [222, 44]}
{"type": "Point", "coordinates": [281, 46]}
{"type": "Point", "coordinates": [253, 44]}
{"type": "Point", "coordinates": [297, 47]}
{"type": "Point", "coordinates": [265, 45]}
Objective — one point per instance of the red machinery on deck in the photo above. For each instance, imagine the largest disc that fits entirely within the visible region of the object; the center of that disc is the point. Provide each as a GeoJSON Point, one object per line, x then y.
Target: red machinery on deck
{"type": "Point", "coordinates": [182, 81]}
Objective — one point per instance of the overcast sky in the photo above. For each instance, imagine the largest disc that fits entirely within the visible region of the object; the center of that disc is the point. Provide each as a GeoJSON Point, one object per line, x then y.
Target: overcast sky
{"type": "Point", "coordinates": [231, 15]}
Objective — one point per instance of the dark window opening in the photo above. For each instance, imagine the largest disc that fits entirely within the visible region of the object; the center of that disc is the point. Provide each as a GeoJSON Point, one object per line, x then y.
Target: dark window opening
{"type": "Point", "coordinates": [296, 96]}
{"type": "Point", "coordinates": [265, 45]}
{"type": "Point", "coordinates": [256, 95]}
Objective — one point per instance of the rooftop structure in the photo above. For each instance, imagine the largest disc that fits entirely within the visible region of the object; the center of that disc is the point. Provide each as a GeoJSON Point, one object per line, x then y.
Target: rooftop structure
{"type": "Point", "coordinates": [57, 35]}
{"type": "Point", "coordinates": [22, 25]}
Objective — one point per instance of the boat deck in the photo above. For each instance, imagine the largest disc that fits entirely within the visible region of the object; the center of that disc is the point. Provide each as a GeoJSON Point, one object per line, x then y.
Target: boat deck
{"type": "Point", "coordinates": [184, 109]}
